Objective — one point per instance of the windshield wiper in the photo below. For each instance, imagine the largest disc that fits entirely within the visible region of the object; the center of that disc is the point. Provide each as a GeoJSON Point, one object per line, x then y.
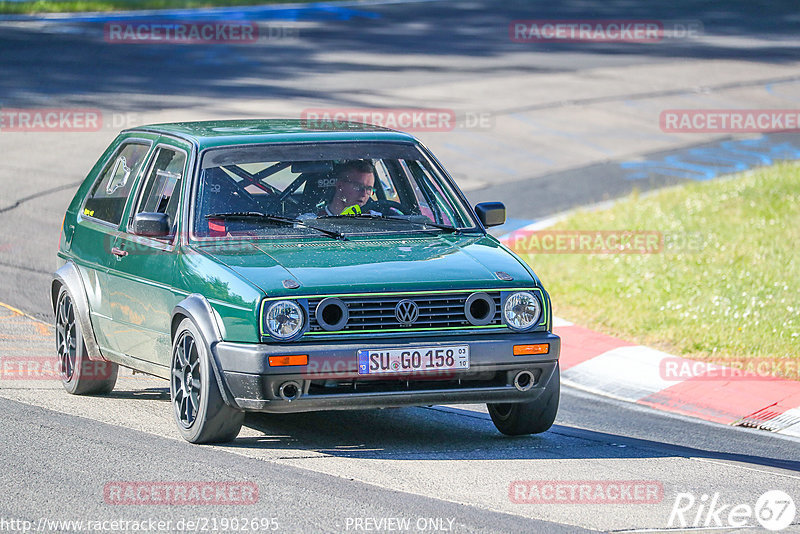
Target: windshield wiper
{"type": "Point", "coordinates": [276, 218]}
{"type": "Point", "coordinates": [451, 229]}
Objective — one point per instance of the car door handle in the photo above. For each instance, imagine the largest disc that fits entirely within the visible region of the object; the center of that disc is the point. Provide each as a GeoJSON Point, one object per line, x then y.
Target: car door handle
{"type": "Point", "coordinates": [118, 252]}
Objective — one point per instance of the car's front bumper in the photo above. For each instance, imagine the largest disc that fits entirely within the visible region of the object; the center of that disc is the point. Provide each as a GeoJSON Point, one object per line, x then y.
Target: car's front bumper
{"type": "Point", "coordinates": [331, 381]}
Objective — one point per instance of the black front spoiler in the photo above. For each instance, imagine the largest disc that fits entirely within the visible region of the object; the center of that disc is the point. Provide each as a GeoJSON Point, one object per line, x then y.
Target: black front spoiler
{"type": "Point", "coordinates": [255, 386]}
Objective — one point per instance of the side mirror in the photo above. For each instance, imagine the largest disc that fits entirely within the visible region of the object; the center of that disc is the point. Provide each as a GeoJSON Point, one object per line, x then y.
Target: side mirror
{"type": "Point", "coordinates": [491, 213]}
{"type": "Point", "coordinates": [151, 224]}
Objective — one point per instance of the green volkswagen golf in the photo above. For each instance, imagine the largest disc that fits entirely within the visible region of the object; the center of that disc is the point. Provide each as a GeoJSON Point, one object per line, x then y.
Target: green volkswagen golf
{"type": "Point", "coordinates": [282, 266]}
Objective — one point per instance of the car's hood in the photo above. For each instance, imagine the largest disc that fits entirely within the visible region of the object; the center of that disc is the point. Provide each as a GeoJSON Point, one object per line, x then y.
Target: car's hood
{"type": "Point", "coordinates": [375, 264]}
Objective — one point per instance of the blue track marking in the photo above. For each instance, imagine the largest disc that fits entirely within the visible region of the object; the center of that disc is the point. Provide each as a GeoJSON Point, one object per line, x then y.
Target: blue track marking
{"type": "Point", "coordinates": [707, 163]}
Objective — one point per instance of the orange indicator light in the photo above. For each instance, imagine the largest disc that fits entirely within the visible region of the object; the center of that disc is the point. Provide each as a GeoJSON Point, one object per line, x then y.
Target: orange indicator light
{"type": "Point", "coordinates": [526, 350]}
{"type": "Point", "coordinates": [297, 359]}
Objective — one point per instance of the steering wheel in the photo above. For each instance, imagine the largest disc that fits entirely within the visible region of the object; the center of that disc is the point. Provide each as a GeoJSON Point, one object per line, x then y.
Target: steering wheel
{"type": "Point", "coordinates": [386, 207]}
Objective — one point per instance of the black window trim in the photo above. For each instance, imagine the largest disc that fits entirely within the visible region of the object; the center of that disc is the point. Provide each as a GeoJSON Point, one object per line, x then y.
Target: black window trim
{"type": "Point", "coordinates": [140, 191]}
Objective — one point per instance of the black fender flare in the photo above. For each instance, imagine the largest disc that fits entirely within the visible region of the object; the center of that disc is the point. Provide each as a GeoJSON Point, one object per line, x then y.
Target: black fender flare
{"type": "Point", "coordinates": [197, 308]}
{"type": "Point", "coordinates": [69, 276]}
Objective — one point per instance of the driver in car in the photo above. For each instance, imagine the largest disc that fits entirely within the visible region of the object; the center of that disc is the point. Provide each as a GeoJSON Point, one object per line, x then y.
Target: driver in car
{"type": "Point", "coordinates": [354, 187]}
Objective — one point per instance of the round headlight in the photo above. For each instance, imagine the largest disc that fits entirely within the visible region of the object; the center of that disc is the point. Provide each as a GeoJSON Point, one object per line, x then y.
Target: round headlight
{"type": "Point", "coordinates": [284, 319]}
{"type": "Point", "coordinates": [521, 310]}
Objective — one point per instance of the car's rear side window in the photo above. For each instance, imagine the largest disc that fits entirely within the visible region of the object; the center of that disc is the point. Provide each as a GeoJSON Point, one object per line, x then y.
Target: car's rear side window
{"type": "Point", "coordinates": [162, 186]}
{"type": "Point", "coordinates": [106, 200]}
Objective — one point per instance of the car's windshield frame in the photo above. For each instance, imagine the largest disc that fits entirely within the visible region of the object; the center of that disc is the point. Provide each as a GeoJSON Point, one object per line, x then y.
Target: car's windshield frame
{"type": "Point", "coordinates": [353, 229]}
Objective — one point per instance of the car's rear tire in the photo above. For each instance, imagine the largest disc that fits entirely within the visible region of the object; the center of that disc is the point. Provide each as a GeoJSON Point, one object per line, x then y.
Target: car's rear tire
{"type": "Point", "coordinates": [200, 412]}
{"type": "Point", "coordinates": [522, 418]}
{"type": "Point", "coordinates": [79, 374]}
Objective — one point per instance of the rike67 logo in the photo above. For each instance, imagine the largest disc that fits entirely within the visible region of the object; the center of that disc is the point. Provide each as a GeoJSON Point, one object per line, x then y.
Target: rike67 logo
{"type": "Point", "coordinates": [774, 510]}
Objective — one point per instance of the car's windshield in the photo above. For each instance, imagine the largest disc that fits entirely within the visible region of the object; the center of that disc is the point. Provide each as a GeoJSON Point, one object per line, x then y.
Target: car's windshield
{"type": "Point", "coordinates": [351, 188]}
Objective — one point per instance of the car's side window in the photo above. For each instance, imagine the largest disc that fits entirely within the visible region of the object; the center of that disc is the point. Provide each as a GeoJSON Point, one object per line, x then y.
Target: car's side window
{"type": "Point", "coordinates": [108, 196]}
{"type": "Point", "coordinates": [385, 180]}
{"type": "Point", "coordinates": [162, 186]}
{"type": "Point", "coordinates": [429, 194]}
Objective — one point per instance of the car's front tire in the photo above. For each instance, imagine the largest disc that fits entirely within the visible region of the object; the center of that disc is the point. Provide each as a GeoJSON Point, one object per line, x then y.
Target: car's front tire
{"type": "Point", "coordinates": [522, 418]}
{"type": "Point", "coordinates": [79, 374]}
{"type": "Point", "coordinates": [200, 412]}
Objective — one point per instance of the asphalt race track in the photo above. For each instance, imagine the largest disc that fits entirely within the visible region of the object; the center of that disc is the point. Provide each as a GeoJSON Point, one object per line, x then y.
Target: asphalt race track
{"type": "Point", "coordinates": [322, 472]}
{"type": "Point", "coordinates": [544, 127]}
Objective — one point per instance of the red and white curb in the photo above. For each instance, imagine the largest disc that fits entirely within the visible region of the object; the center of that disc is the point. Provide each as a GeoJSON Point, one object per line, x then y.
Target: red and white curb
{"type": "Point", "coordinates": [611, 367]}
{"type": "Point", "coordinates": [614, 368]}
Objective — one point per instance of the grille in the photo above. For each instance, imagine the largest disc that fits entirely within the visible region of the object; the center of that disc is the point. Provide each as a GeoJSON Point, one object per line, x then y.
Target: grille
{"type": "Point", "coordinates": [378, 313]}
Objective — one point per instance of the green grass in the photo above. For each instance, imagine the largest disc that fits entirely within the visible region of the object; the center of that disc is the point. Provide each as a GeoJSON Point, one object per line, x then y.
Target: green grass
{"type": "Point", "coordinates": [62, 6]}
{"type": "Point", "coordinates": [736, 296]}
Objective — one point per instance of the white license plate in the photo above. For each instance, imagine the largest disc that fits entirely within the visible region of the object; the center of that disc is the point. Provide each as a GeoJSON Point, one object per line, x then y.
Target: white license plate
{"type": "Point", "coordinates": [413, 360]}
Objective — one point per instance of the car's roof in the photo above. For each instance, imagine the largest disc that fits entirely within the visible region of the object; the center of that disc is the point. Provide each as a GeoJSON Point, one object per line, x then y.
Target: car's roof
{"type": "Point", "coordinates": [208, 134]}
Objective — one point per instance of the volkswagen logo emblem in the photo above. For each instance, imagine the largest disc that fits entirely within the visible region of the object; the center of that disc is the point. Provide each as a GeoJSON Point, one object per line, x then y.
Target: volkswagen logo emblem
{"type": "Point", "coordinates": [406, 312]}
